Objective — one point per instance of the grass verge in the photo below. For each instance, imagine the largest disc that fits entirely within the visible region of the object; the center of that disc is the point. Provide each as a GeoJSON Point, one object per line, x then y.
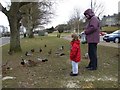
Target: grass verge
{"type": "Point", "coordinates": [55, 72]}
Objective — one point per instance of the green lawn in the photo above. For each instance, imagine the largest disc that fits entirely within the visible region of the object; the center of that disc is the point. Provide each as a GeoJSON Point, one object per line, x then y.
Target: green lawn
{"type": "Point", "coordinates": [62, 34]}
{"type": "Point", "coordinates": [109, 28]}
{"type": "Point", "coordinates": [55, 72]}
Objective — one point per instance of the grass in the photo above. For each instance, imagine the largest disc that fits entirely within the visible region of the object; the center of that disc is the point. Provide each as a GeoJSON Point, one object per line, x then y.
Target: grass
{"type": "Point", "coordinates": [109, 28]}
{"type": "Point", "coordinates": [62, 34]}
{"type": "Point", "coordinates": [55, 72]}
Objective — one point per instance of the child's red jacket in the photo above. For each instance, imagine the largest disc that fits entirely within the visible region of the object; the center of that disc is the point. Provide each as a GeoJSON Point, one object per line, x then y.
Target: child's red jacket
{"type": "Point", "coordinates": [75, 53]}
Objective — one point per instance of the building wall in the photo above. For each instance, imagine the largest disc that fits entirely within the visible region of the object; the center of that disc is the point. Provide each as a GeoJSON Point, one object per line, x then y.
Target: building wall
{"type": "Point", "coordinates": [109, 20]}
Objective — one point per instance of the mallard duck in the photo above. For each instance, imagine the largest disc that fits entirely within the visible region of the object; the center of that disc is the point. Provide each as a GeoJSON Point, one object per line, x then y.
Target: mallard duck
{"type": "Point", "coordinates": [5, 67]}
{"type": "Point", "coordinates": [86, 56]}
{"type": "Point", "coordinates": [10, 53]}
{"type": "Point", "coordinates": [61, 54]}
{"type": "Point", "coordinates": [57, 53]}
{"type": "Point", "coordinates": [61, 48]}
{"type": "Point", "coordinates": [28, 54]}
{"type": "Point", "coordinates": [39, 59]}
{"type": "Point", "coordinates": [40, 50]}
{"type": "Point", "coordinates": [42, 60]}
{"type": "Point", "coordinates": [32, 50]}
{"type": "Point", "coordinates": [31, 63]}
{"type": "Point", "coordinates": [50, 52]}
{"type": "Point", "coordinates": [24, 62]}
{"type": "Point", "coordinates": [45, 45]}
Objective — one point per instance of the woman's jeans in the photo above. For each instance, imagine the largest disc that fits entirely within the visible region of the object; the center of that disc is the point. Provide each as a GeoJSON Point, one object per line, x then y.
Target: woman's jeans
{"type": "Point", "coordinates": [92, 52]}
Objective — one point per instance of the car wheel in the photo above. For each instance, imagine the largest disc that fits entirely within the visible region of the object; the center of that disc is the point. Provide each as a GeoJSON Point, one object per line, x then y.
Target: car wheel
{"type": "Point", "coordinates": [116, 40]}
{"type": "Point", "coordinates": [107, 41]}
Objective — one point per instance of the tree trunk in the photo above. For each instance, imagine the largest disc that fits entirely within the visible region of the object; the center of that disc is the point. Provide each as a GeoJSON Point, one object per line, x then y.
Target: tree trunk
{"type": "Point", "coordinates": [31, 34]}
{"type": "Point", "coordinates": [15, 36]}
{"type": "Point", "coordinates": [14, 21]}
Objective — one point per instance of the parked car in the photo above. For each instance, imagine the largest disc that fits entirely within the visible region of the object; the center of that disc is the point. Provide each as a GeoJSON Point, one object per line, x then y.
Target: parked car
{"type": "Point", "coordinates": [115, 37]}
{"type": "Point", "coordinates": [102, 33]}
{"type": "Point", "coordinates": [6, 34]}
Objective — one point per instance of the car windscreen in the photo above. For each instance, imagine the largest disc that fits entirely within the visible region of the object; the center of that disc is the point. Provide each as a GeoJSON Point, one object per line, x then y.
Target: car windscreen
{"type": "Point", "coordinates": [116, 32]}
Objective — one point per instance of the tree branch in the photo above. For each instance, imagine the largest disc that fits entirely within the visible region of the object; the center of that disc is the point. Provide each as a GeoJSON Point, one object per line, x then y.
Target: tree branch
{"type": "Point", "coordinates": [23, 3]}
{"type": "Point", "coordinates": [3, 9]}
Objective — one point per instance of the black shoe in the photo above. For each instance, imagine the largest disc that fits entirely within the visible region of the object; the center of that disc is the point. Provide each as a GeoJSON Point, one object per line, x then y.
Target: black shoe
{"type": "Point", "coordinates": [87, 67]}
{"type": "Point", "coordinates": [92, 69]}
{"type": "Point", "coordinates": [71, 74]}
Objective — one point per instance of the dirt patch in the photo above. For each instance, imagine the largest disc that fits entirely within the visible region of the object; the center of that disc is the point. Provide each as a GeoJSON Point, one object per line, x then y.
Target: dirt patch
{"type": "Point", "coordinates": [71, 84]}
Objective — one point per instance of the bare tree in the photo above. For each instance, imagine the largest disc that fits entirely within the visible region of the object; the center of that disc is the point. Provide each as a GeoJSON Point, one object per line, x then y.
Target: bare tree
{"type": "Point", "coordinates": [97, 7]}
{"type": "Point", "coordinates": [37, 14]}
{"type": "Point", "coordinates": [74, 21]}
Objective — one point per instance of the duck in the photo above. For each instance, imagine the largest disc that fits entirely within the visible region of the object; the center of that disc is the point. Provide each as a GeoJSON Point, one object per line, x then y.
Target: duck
{"type": "Point", "coordinates": [42, 60]}
{"type": "Point", "coordinates": [40, 50]}
{"type": "Point", "coordinates": [62, 54]}
{"type": "Point", "coordinates": [39, 59]}
{"type": "Point", "coordinates": [24, 62]}
{"type": "Point", "coordinates": [10, 53]}
{"type": "Point", "coordinates": [5, 67]}
{"type": "Point", "coordinates": [61, 48]}
{"type": "Point", "coordinates": [50, 52]}
{"type": "Point", "coordinates": [31, 63]}
{"type": "Point", "coordinates": [45, 45]}
{"type": "Point", "coordinates": [32, 50]}
{"type": "Point", "coordinates": [28, 63]}
{"type": "Point", "coordinates": [57, 53]}
{"type": "Point", "coordinates": [86, 56]}
{"type": "Point", "coordinates": [28, 54]}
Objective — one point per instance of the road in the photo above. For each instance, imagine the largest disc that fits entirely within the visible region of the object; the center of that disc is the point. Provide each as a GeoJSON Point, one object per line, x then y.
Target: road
{"type": "Point", "coordinates": [4, 40]}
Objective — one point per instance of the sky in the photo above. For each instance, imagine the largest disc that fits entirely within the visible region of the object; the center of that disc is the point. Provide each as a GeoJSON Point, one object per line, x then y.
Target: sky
{"type": "Point", "coordinates": [65, 8]}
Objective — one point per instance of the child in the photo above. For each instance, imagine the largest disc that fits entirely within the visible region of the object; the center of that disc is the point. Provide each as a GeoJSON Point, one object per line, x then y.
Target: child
{"type": "Point", "coordinates": [75, 54]}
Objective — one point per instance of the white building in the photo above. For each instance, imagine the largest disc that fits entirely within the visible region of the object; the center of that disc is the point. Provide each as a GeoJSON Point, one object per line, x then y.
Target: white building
{"type": "Point", "coordinates": [109, 20]}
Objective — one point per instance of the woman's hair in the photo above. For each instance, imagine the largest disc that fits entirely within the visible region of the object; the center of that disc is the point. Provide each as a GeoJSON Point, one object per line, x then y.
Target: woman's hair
{"type": "Point", "coordinates": [74, 36]}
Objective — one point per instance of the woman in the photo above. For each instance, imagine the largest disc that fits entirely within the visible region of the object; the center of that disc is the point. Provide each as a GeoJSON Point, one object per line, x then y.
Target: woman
{"type": "Point", "coordinates": [92, 35]}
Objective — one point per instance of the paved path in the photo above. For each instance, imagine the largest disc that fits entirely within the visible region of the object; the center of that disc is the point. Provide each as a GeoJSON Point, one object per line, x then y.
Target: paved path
{"type": "Point", "coordinates": [109, 44]}
{"type": "Point", "coordinates": [4, 41]}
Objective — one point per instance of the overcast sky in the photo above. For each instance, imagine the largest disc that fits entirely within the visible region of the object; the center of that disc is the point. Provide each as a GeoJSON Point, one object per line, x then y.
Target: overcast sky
{"type": "Point", "coordinates": [65, 8]}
